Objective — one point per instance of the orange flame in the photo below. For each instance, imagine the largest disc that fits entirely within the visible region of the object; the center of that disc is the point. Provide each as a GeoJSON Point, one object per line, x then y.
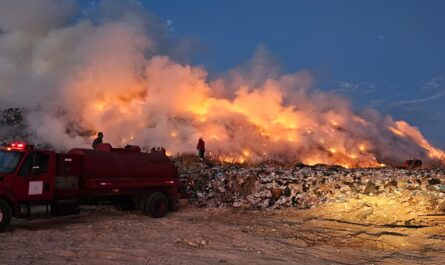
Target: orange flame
{"type": "Point", "coordinates": [174, 105]}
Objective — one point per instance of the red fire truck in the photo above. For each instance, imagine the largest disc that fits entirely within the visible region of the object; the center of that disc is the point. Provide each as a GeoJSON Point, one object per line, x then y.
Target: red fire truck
{"type": "Point", "coordinates": [39, 182]}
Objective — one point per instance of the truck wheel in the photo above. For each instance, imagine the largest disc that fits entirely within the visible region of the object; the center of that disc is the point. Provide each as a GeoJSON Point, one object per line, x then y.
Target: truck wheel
{"type": "Point", "coordinates": [5, 215]}
{"type": "Point", "coordinates": [156, 205]}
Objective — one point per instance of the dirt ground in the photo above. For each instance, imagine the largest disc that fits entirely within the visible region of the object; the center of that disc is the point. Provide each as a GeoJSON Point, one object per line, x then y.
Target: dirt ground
{"type": "Point", "coordinates": [103, 235]}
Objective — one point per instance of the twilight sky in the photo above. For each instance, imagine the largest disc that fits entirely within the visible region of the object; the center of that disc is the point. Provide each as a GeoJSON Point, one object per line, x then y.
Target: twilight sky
{"type": "Point", "coordinates": [389, 55]}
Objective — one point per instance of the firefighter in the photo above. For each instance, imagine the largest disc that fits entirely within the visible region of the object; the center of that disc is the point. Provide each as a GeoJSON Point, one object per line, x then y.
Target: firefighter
{"type": "Point", "coordinates": [98, 140]}
{"type": "Point", "coordinates": [201, 148]}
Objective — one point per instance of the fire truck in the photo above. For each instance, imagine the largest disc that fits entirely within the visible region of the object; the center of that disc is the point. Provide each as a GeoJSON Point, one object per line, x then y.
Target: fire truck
{"type": "Point", "coordinates": [36, 182]}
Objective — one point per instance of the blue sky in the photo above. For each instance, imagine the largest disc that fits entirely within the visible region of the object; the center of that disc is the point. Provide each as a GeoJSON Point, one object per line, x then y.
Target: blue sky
{"type": "Point", "coordinates": [389, 55]}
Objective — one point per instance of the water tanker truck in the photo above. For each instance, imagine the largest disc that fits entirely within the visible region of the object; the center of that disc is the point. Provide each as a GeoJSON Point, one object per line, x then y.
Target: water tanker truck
{"type": "Point", "coordinates": [40, 182]}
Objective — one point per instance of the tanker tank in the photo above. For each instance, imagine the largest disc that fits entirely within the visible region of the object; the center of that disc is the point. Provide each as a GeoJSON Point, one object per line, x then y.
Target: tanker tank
{"type": "Point", "coordinates": [124, 163]}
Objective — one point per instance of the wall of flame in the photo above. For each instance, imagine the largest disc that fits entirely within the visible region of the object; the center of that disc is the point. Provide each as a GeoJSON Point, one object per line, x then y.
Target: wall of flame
{"type": "Point", "coordinates": [112, 71]}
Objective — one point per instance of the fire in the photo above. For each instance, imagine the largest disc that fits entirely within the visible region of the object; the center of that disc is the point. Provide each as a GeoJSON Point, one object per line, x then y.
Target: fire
{"type": "Point", "coordinates": [99, 106]}
{"type": "Point", "coordinates": [413, 133]}
{"type": "Point", "coordinates": [220, 121]}
{"type": "Point", "coordinates": [243, 129]}
{"type": "Point", "coordinates": [396, 132]}
{"type": "Point", "coordinates": [120, 86]}
{"type": "Point", "coordinates": [246, 153]}
{"type": "Point", "coordinates": [334, 123]}
{"type": "Point", "coordinates": [94, 73]}
{"type": "Point", "coordinates": [232, 159]}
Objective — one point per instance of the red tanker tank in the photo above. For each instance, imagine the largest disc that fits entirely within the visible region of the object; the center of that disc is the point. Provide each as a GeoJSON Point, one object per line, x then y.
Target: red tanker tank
{"type": "Point", "coordinates": [126, 172]}
{"type": "Point", "coordinates": [125, 163]}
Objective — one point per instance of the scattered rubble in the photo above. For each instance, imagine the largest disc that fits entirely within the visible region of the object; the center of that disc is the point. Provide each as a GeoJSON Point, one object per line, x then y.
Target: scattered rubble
{"type": "Point", "coordinates": [271, 186]}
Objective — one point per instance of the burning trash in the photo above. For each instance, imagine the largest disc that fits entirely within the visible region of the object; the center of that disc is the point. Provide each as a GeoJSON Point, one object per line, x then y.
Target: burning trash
{"type": "Point", "coordinates": [90, 74]}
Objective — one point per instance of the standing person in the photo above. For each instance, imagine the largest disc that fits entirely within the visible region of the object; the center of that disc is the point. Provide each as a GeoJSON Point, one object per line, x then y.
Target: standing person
{"type": "Point", "coordinates": [98, 140]}
{"type": "Point", "coordinates": [201, 148]}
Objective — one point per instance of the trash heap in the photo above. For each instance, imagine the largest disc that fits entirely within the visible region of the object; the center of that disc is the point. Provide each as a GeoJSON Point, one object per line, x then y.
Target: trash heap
{"type": "Point", "coordinates": [271, 185]}
{"type": "Point", "coordinates": [11, 117]}
{"type": "Point", "coordinates": [12, 125]}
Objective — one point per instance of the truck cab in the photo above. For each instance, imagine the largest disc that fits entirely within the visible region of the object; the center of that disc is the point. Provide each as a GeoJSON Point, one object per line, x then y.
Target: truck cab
{"type": "Point", "coordinates": [26, 175]}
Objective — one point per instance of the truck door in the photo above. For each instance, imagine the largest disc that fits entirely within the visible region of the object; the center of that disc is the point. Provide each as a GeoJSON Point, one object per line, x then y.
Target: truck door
{"type": "Point", "coordinates": [35, 177]}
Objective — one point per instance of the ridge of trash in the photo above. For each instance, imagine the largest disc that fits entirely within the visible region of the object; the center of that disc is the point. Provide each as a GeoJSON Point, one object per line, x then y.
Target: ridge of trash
{"type": "Point", "coordinates": [272, 185]}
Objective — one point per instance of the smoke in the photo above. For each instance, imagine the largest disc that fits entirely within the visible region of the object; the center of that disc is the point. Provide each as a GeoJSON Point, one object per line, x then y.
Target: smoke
{"type": "Point", "coordinates": [109, 69]}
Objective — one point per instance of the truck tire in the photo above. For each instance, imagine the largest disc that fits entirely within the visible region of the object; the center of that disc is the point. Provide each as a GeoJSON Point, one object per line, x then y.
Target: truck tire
{"type": "Point", "coordinates": [5, 215]}
{"type": "Point", "coordinates": [156, 205]}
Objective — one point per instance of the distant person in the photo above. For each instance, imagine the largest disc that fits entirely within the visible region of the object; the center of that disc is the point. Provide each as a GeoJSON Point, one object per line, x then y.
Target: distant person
{"type": "Point", "coordinates": [201, 148]}
{"type": "Point", "coordinates": [98, 140]}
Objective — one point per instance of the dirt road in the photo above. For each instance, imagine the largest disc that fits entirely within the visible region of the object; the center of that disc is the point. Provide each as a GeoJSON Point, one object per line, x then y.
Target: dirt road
{"type": "Point", "coordinates": [216, 236]}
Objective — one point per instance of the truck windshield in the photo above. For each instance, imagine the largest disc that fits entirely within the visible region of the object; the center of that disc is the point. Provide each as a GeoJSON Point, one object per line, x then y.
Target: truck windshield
{"type": "Point", "coordinates": [9, 161]}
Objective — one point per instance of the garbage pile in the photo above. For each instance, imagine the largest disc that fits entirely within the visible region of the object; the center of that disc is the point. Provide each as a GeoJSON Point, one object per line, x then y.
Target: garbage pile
{"type": "Point", "coordinates": [12, 125]}
{"type": "Point", "coordinates": [11, 116]}
{"type": "Point", "coordinates": [271, 185]}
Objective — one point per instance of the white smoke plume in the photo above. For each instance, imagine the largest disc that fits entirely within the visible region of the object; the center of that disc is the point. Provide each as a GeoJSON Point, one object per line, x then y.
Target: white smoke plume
{"type": "Point", "coordinates": [108, 69]}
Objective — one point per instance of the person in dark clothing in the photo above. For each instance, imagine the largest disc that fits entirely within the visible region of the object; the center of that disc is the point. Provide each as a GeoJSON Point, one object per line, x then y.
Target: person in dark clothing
{"type": "Point", "coordinates": [201, 148]}
{"type": "Point", "coordinates": [98, 140]}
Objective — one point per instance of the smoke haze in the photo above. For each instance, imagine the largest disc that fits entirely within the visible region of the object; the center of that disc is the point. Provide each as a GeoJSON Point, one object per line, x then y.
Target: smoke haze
{"type": "Point", "coordinates": [109, 69]}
